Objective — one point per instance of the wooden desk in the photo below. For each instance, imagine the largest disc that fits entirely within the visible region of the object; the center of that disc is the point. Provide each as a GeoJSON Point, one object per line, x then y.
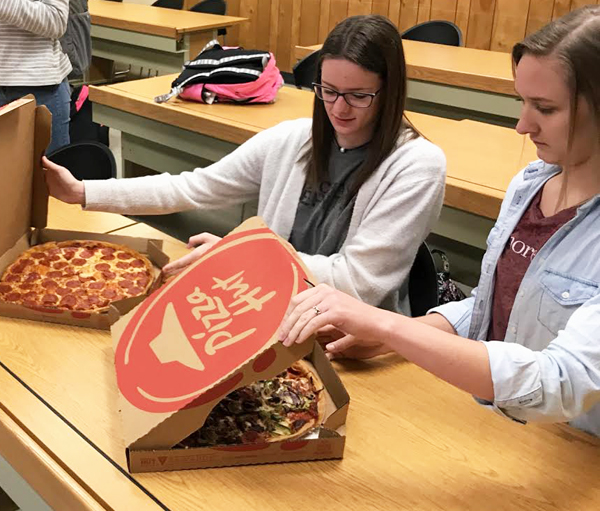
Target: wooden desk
{"type": "Point", "coordinates": [414, 442]}
{"type": "Point", "coordinates": [464, 78]}
{"type": "Point", "coordinates": [482, 158]}
{"type": "Point", "coordinates": [73, 218]}
{"type": "Point", "coordinates": [151, 37]}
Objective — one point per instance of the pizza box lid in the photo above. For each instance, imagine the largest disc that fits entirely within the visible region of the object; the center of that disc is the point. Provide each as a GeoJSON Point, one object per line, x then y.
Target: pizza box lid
{"type": "Point", "coordinates": [208, 331]}
{"type": "Point", "coordinates": [24, 135]}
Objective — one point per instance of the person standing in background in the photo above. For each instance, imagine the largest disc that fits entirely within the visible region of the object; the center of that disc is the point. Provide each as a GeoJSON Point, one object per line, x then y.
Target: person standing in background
{"type": "Point", "coordinates": [77, 40]}
{"type": "Point", "coordinates": [32, 60]}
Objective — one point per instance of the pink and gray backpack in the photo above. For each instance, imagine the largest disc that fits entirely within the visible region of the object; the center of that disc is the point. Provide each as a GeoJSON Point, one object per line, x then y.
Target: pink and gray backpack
{"type": "Point", "coordinates": [227, 75]}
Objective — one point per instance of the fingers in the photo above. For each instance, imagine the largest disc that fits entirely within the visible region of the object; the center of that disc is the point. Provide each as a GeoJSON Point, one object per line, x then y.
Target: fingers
{"type": "Point", "coordinates": [342, 344]}
{"type": "Point", "coordinates": [183, 262]}
{"type": "Point", "coordinates": [202, 238]}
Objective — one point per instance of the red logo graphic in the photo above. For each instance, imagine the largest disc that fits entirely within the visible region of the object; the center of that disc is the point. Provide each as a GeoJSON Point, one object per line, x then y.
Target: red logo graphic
{"type": "Point", "coordinates": [207, 322]}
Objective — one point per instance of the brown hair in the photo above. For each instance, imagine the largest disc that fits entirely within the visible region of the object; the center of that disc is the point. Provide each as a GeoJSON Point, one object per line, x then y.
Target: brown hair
{"type": "Point", "coordinates": [372, 42]}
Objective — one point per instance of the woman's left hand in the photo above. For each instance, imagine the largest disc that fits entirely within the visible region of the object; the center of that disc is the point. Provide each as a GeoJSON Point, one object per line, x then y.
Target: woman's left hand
{"type": "Point", "coordinates": [322, 305]}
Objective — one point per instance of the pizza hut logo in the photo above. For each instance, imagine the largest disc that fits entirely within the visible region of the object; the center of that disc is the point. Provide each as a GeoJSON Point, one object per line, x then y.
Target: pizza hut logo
{"type": "Point", "coordinates": [206, 323]}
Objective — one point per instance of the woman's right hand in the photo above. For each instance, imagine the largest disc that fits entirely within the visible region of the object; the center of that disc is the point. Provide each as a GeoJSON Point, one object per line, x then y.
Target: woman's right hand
{"type": "Point", "coordinates": [62, 184]}
{"type": "Point", "coordinates": [200, 243]}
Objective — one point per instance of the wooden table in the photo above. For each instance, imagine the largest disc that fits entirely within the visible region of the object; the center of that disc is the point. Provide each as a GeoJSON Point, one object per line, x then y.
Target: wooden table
{"type": "Point", "coordinates": [71, 217]}
{"type": "Point", "coordinates": [414, 442]}
{"type": "Point", "coordinates": [152, 37]}
{"type": "Point", "coordinates": [462, 79]}
{"type": "Point", "coordinates": [482, 158]}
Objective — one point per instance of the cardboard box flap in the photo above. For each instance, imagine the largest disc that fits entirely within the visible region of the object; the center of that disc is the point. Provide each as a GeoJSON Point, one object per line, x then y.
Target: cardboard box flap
{"type": "Point", "coordinates": [30, 125]}
{"type": "Point", "coordinates": [210, 330]}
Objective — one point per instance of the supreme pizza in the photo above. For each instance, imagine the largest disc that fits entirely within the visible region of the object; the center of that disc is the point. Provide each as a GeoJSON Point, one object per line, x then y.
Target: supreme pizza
{"type": "Point", "coordinates": [282, 408]}
{"type": "Point", "coordinates": [85, 276]}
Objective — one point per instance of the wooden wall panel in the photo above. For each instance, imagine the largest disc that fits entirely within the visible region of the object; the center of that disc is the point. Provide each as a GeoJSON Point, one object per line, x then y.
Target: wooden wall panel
{"type": "Point", "coordinates": [481, 22]}
{"type": "Point", "coordinates": [280, 25]}
{"type": "Point", "coordinates": [309, 22]}
{"type": "Point", "coordinates": [509, 24]}
{"type": "Point", "coordinates": [443, 10]}
{"type": "Point", "coordinates": [409, 12]}
{"type": "Point", "coordinates": [424, 11]}
{"type": "Point", "coordinates": [462, 16]}
{"type": "Point", "coordinates": [540, 13]}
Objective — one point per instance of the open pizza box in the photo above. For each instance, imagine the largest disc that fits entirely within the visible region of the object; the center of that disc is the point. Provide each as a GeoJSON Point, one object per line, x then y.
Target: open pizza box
{"type": "Point", "coordinates": [209, 331]}
{"type": "Point", "coordinates": [24, 135]}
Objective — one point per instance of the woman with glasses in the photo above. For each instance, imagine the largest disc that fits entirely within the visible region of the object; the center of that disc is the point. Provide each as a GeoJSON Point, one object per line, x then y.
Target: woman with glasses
{"type": "Point", "coordinates": [527, 343]}
{"type": "Point", "coordinates": [354, 189]}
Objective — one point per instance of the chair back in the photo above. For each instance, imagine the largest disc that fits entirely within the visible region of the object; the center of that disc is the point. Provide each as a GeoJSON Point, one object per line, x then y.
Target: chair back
{"type": "Point", "coordinates": [86, 160]}
{"type": "Point", "coordinates": [218, 7]}
{"type": "Point", "coordinates": [435, 31]}
{"type": "Point", "coordinates": [169, 4]}
{"type": "Point", "coordinates": [422, 283]}
{"type": "Point", "coordinates": [305, 71]}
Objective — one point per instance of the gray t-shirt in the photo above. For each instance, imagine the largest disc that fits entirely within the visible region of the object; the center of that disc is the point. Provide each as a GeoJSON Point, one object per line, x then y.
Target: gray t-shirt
{"type": "Point", "coordinates": [323, 215]}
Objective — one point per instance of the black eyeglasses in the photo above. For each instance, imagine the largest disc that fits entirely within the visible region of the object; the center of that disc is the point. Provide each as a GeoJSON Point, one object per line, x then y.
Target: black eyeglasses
{"type": "Point", "coordinates": [356, 99]}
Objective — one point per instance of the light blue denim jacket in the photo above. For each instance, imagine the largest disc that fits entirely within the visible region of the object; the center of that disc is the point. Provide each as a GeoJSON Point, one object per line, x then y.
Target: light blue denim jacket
{"type": "Point", "coordinates": [548, 366]}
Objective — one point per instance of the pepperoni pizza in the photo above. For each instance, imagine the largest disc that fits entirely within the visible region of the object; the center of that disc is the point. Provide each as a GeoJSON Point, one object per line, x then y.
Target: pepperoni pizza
{"type": "Point", "coordinates": [85, 276]}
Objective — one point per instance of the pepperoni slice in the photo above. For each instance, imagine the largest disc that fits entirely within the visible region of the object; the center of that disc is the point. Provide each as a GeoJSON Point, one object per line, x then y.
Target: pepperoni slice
{"type": "Point", "coordinates": [124, 256]}
{"type": "Point", "coordinates": [108, 258]}
{"type": "Point", "coordinates": [69, 254]}
{"type": "Point", "coordinates": [26, 286]}
{"type": "Point", "coordinates": [13, 278]}
{"type": "Point", "coordinates": [80, 292]}
{"type": "Point", "coordinates": [109, 275]}
{"type": "Point", "coordinates": [93, 300]}
{"type": "Point", "coordinates": [126, 284]}
{"type": "Point", "coordinates": [73, 283]}
{"type": "Point", "coordinates": [143, 281]}
{"type": "Point", "coordinates": [69, 272]}
{"type": "Point", "coordinates": [129, 276]}
{"type": "Point", "coordinates": [96, 285]}
{"type": "Point", "coordinates": [86, 254]}
{"type": "Point", "coordinates": [48, 298]}
{"type": "Point", "coordinates": [38, 255]}
{"type": "Point", "coordinates": [54, 251]}
{"type": "Point", "coordinates": [17, 268]}
{"type": "Point", "coordinates": [59, 265]}
{"type": "Point", "coordinates": [49, 283]}
{"type": "Point", "coordinates": [32, 276]}
{"type": "Point", "coordinates": [107, 251]}
{"type": "Point", "coordinates": [102, 266]}
{"type": "Point", "coordinates": [12, 297]}
{"type": "Point", "coordinates": [5, 288]}
{"type": "Point", "coordinates": [30, 296]}
{"type": "Point", "coordinates": [109, 293]}
{"type": "Point", "coordinates": [26, 262]}
{"type": "Point", "coordinates": [44, 262]}
{"type": "Point", "coordinates": [102, 303]}
{"type": "Point", "coordinates": [54, 274]}
{"type": "Point", "coordinates": [135, 291]}
{"type": "Point", "coordinates": [138, 263]}
{"type": "Point", "coordinates": [68, 301]}
{"type": "Point", "coordinates": [62, 291]}
{"type": "Point", "coordinates": [53, 258]}
{"type": "Point", "coordinates": [122, 265]}
{"type": "Point", "coordinates": [77, 261]}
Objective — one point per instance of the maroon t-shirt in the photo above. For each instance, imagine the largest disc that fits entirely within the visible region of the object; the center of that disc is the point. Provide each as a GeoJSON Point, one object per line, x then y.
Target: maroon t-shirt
{"type": "Point", "coordinates": [530, 234]}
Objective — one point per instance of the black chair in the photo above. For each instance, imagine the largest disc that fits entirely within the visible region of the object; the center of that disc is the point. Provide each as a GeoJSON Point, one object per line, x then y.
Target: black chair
{"type": "Point", "coordinates": [86, 160]}
{"type": "Point", "coordinates": [218, 7]}
{"type": "Point", "coordinates": [305, 71]}
{"type": "Point", "coordinates": [169, 4]}
{"type": "Point", "coordinates": [435, 31]}
{"type": "Point", "coordinates": [422, 283]}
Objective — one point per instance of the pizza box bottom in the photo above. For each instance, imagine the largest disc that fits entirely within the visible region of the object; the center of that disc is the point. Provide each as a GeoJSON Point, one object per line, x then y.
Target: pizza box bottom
{"type": "Point", "coordinates": [325, 442]}
{"type": "Point", "coordinates": [100, 320]}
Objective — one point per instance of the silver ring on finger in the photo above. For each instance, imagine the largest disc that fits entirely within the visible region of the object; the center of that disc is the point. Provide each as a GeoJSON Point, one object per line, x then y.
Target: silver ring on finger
{"type": "Point", "coordinates": [317, 310]}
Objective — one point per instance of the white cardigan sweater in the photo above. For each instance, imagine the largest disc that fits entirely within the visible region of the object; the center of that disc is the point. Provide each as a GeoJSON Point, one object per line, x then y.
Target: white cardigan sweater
{"type": "Point", "coordinates": [394, 211]}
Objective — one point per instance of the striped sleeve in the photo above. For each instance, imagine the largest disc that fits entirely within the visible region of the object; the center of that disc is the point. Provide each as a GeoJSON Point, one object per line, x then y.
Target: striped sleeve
{"type": "Point", "coordinates": [45, 18]}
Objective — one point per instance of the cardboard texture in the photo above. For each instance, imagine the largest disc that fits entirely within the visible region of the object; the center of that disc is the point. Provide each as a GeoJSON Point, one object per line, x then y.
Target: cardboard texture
{"type": "Point", "coordinates": [25, 210]}
{"type": "Point", "coordinates": [210, 330]}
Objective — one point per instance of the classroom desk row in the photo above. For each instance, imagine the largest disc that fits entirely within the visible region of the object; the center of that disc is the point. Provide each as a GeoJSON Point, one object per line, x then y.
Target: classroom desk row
{"type": "Point", "coordinates": [152, 37]}
{"type": "Point", "coordinates": [414, 442]}
{"type": "Point", "coordinates": [458, 81]}
{"type": "Point", "coordinates": [180, 135]}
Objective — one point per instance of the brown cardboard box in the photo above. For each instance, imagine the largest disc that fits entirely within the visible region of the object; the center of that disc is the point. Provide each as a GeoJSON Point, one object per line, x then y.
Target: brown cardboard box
{"type": "Point", "coordinates": [24, 135]}
{"type": "Point", "coordinates": [213, 329]}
